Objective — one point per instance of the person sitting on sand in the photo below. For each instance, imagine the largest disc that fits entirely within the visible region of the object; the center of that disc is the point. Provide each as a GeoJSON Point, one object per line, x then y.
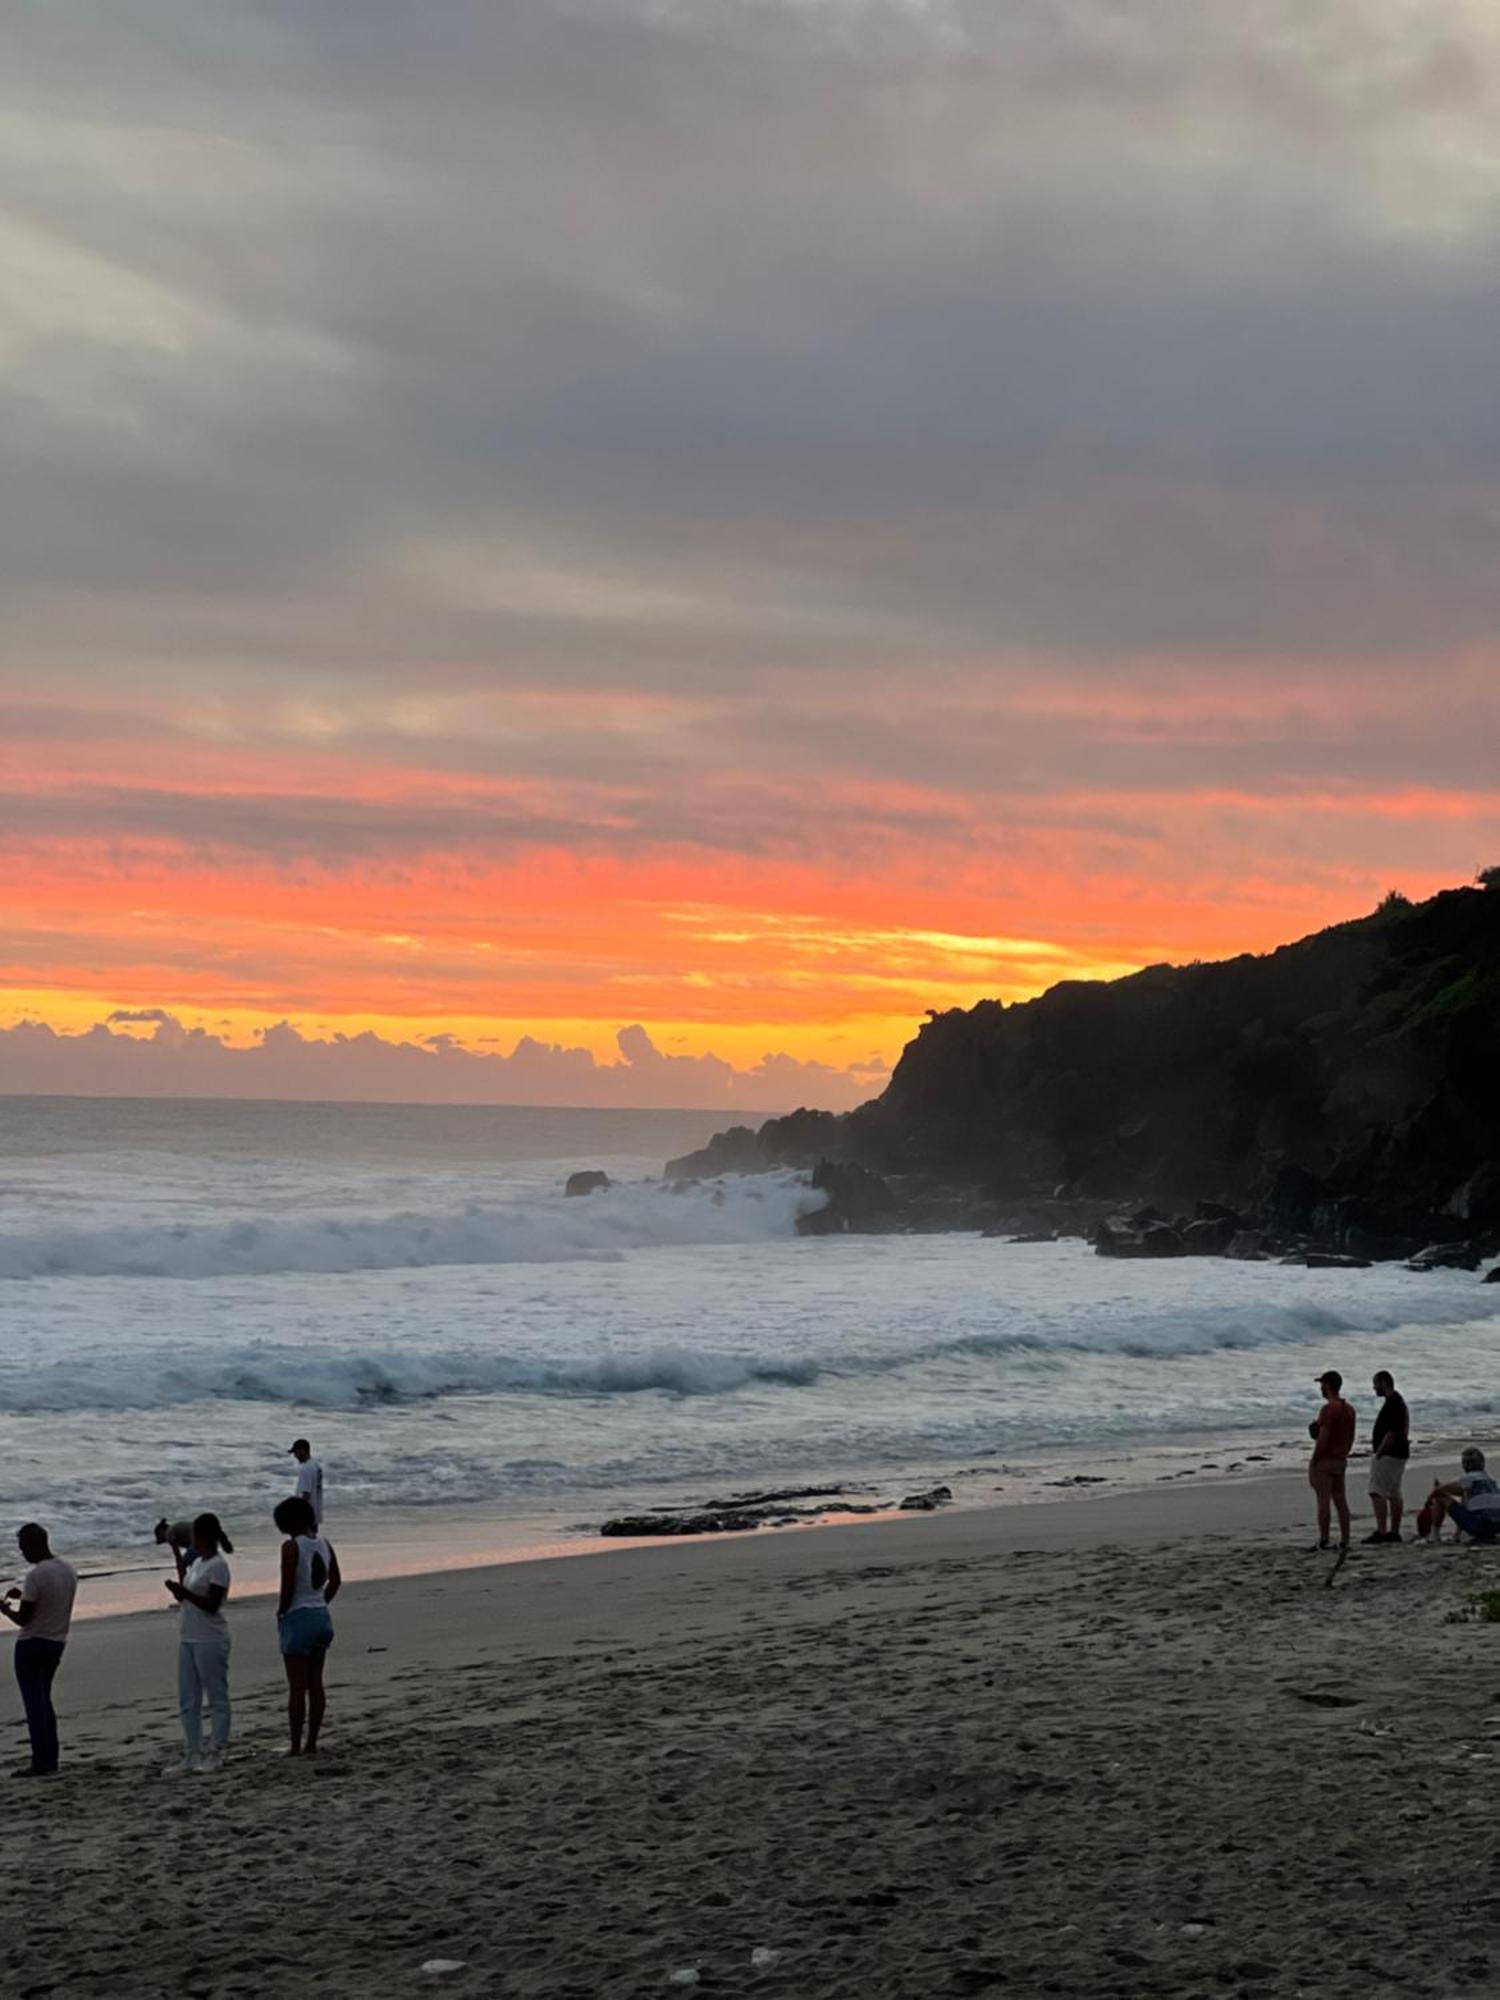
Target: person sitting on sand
{"type": "Point", "coordinates": [310, 1581]}
{"type": "Point", "coordinates": [1390, 1447]}
{"type": "Point", "coordinates": [1471, 1502]}
{"type": "Point", "coordinates": [1332, 1432]}
{"type": "Point", "coordinates": [203, 1645]}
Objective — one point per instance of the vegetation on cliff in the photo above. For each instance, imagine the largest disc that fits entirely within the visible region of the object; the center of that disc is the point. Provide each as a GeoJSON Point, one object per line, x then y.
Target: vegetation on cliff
{"type": "Point", "coordinates": [1349, 1081]}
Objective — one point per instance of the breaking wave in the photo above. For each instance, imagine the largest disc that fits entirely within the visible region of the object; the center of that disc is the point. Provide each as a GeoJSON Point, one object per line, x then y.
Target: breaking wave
{"type": "Point", "coordinates": [534, 1230]}
{"type": "Point", "coordinates": [340, 1378]}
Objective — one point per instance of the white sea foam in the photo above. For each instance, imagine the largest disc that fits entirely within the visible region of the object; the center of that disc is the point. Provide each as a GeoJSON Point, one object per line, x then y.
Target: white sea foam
{"type": "Point", "coordinates": [540, 1230]}
{"type": "Point", "coordinates": [152, 1375]}
{"type": "Point", "coordinates": [458, 1330]}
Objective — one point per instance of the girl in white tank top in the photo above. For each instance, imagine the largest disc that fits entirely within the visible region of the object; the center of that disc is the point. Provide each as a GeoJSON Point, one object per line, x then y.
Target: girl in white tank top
{"type": "Point", "coordinates": [309, 1583]}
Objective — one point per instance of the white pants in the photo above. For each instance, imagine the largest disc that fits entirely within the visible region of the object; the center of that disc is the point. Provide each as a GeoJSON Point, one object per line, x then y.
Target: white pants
{"type": "Point", "coordinates": [203, 1674]}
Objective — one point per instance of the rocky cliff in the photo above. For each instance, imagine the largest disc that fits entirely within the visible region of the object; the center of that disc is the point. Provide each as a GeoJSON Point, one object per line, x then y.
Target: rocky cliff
{"type": "Point", "coordinates": [1345, 1087]}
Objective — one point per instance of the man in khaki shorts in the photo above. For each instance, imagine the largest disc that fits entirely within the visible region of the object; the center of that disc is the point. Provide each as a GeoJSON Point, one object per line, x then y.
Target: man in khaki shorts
{"type": "Point", "coordinates": [1390, 1448]}
{"type": "Point", "coordinates": [1332, 1433]}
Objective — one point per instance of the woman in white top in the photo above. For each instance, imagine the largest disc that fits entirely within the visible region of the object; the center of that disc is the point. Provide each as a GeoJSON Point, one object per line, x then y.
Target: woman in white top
{"type": "Point", "coordinates": [203, 1643]}
{"type": "Point", "coordinates": [309, 1583]}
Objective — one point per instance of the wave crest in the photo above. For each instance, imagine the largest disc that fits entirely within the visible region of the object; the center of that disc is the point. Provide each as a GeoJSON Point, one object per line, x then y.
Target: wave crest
{"type": "Point", "coordinates": [534, 1230]}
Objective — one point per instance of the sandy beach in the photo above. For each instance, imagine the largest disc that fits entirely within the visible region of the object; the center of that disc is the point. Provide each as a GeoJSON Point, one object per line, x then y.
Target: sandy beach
{"type": "Point", "coordinates": [1129, 1746]}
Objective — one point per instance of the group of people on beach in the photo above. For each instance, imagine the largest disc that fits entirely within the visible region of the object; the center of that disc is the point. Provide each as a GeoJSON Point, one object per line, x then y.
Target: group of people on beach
{"type": "Point", "coordinates": [41, 1606]}
{"type": "Point", "coordinates": [1469, 1505]}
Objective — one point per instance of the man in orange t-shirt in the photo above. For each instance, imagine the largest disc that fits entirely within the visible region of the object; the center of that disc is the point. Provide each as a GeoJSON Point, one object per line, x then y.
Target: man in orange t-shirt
{"type": "Point", "coordinates": [1332, 1433]}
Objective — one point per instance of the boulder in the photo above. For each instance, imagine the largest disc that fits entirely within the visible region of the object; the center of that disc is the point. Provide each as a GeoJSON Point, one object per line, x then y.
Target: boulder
{"type": "Point", "coordinates": [1218, 1211]}
{"type": "Point", "coordinates": [1125, 1239]}
{"type": "Point", "coordinates": [1446, 1257]}
{"type": "Point", "coordinates": [1332, 1260]}
{"type": "Point", "coordinates": [1209, 1236]}
{"type": "Point", "coordinates": [589, 1181]}
{"type": "Point", "coordinates": [1492, 1277]}
{"type": "Point", "coordinates": [928, 1502]}
{"type": "Point", "coordinates": [1249, 1246]}
{"type": "Point", "coordinates": [857, 1200]}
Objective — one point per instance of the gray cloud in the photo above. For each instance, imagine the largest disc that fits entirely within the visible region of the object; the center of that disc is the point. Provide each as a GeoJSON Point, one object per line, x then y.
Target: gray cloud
{"type": "Point", "coordinates": [192, 1062]}
{"type": "Point", "coordinates": [1067, 327]}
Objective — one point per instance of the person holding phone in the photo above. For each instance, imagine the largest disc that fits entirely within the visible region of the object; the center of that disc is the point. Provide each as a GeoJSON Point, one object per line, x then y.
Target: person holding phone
{"type": "Point", "coordinates": [41, 1605]}
{"type": "Point", "coordinates": [203, 1644]}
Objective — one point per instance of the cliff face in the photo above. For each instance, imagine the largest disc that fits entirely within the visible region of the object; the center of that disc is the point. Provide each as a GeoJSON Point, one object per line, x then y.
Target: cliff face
{"type": "Point", "coordinates": [1361, 1064]}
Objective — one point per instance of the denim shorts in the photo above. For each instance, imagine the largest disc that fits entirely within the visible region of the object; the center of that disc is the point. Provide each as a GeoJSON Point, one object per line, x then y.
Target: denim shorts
{"type": "Point", "coordinates": [305, 1632]}
{"type": "Point", "coordinates": [1481, 1526]}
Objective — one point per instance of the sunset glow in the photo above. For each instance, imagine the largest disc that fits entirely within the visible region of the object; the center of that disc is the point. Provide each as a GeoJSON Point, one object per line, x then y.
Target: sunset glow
{"type": "Point", "coordinates": [760, 604]}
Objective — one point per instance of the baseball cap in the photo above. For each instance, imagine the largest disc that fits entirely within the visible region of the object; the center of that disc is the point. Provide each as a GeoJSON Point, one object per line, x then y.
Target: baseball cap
{"type": "Point", "coordinates": [298, 1444]}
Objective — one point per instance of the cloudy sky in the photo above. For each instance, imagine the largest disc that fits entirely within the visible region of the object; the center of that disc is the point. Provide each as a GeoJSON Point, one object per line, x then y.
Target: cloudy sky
{"type": "Point", "coordinates": [745, 519]}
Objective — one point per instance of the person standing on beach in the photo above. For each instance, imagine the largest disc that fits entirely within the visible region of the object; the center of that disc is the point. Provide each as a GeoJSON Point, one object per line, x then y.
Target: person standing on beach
{"type": "Point", "coordinates": [1332, 1433]}
{"type": "Point", "coordinates": [42, 1606]}
{"type": "Point", "coordinates": [310, 1581]}
{"type": "Point", "coordinates": [203, 1645]}
{"type": "Point", "coordinates": [309, 1478]}
{"type": "Point", "coordinates": [1390, 1445]}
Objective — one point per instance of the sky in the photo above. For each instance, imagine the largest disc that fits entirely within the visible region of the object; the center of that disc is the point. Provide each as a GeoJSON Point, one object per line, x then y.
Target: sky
{"type": "Point", "coordinates": [549, 541]}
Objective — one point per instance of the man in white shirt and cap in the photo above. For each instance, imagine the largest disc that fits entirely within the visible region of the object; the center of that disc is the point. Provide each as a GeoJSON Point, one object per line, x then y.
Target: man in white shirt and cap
{"type": "Point", "coordinates": [309, 1477]}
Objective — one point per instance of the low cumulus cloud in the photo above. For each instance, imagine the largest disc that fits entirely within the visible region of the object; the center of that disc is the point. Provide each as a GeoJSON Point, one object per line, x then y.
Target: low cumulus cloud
{"type": "Point", "coordinates": [179, 1061]}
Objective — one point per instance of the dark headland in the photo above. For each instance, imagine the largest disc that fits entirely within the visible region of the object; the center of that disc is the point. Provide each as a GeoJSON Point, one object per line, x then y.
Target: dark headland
{"type": "Point", "coordinates": [1337, 1098]}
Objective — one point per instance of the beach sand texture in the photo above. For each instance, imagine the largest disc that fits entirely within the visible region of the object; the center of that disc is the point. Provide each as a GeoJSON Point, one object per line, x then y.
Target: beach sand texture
{"type": "Point", "coordinates": [916, 1760]}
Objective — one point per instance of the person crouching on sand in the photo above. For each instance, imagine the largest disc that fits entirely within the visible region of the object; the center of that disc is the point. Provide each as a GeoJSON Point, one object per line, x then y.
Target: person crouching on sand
{"type": "Point", "coordinates": [310, 1581]}
{"type": "Point", "coordinates": [1390, 1447]}
{"type": "Point", "coordinates": [1332, 1433]}
{"type": "Point", "coordinates": [203, 1645]}
{"type": "Point", "coordinates": [1471, 1502]}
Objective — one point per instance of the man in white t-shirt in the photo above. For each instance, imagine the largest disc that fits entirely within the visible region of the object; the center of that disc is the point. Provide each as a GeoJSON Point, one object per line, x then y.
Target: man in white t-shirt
{"type": "Point", "coordinates": [309, 1477]}
{"type": "Point", "coordinates": [42, 1607]}
{"type": "Point", "coordinates": [1470, 1503]}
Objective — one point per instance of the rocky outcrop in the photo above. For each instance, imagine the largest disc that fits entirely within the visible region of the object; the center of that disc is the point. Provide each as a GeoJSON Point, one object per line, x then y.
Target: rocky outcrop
{"type": "Point", "coordinates": [1342, 1093]}
{"type": "Point", "coordinates": [857, 1200]}
{"type": "Point", "coordinates": [589, 1181]}
{"type": "Point", "coordinates": [780, 1508]}
{"type": "Point", "coordinates": [1446, 1257]}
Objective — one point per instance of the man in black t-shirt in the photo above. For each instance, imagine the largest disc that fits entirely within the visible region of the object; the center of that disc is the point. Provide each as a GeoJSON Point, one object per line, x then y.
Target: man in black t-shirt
{"type": "Point", "coordinates": [1390, 1445]}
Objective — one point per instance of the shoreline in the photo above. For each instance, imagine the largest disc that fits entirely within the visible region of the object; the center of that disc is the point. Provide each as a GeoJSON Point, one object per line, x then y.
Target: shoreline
{"type": "Point", "coordinates": [445, 1539]}
{"type": "Point", "coordinates": [1276, 1503]}
{"type": "Point", "coordinates": [1105, 1749]}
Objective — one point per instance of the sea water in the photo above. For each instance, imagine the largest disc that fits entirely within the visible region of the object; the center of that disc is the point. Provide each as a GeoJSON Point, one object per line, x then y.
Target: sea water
{"type": "Point", "coordinates": [185, 1287]}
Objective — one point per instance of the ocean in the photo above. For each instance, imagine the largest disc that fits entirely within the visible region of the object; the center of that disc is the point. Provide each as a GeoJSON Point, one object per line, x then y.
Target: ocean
{"type": "Point", "coordinates": [184, 1287]}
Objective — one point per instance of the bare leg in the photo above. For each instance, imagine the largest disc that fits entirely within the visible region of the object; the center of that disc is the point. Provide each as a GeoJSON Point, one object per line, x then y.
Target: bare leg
{"type": "Point", "coordinates": [317, 1701]}
{"type": "Point", "coordinates": [1398, 1508]}
{"type": "Point", "coordinates": [1381, 1505]}
{"type": "Point", "coordinates": [296, 1701]}
{"type": "Point", "coordinates": [1341, 1503]}
{"type": "Point", "coordinates": [1322, 1492]}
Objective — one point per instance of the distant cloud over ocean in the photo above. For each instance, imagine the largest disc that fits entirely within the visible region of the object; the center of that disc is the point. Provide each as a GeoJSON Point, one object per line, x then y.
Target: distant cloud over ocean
{"type": "Point", "coordinates": [174, 1061]}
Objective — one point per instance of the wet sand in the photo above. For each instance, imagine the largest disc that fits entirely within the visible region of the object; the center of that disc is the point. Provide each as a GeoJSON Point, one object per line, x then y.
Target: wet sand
{"type": "Point", "coordinates": [1124, 1746]}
